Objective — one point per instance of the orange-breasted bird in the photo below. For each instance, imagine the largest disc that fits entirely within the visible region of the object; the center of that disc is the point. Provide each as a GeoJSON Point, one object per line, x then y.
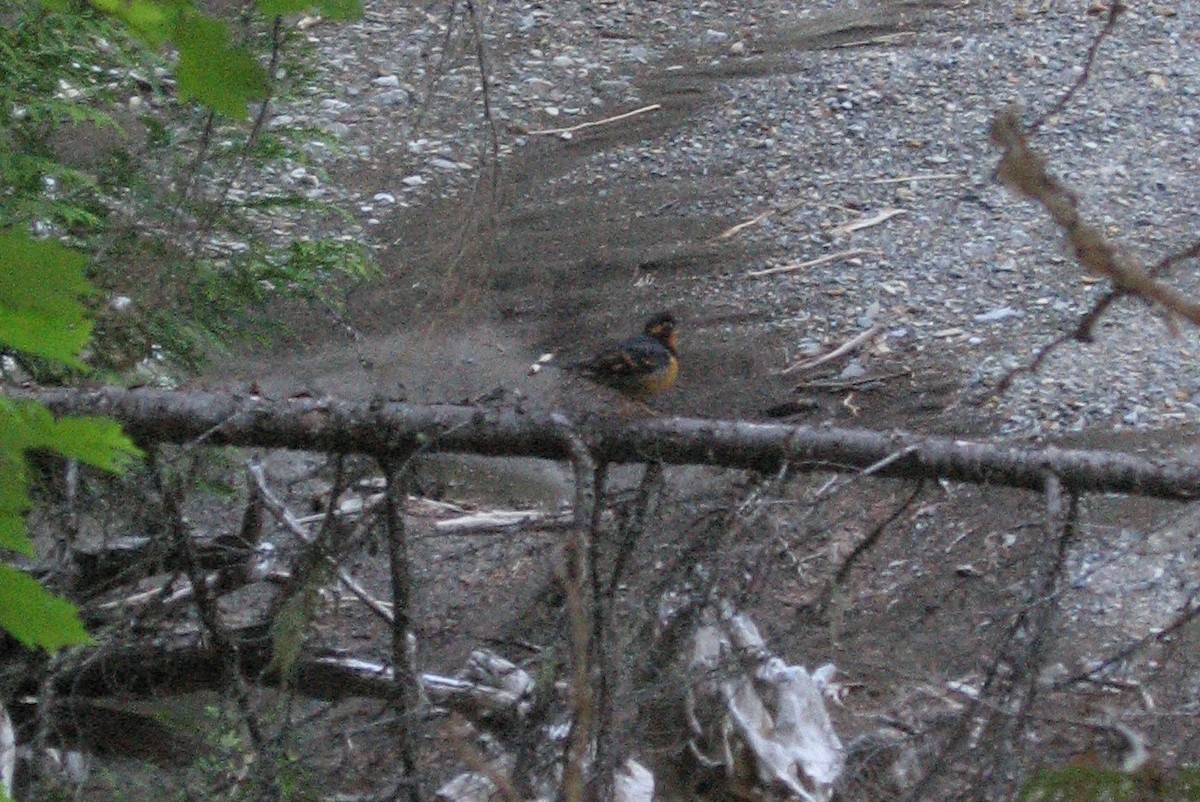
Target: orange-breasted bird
{"type": "Point", "coordinates": [640, 367]}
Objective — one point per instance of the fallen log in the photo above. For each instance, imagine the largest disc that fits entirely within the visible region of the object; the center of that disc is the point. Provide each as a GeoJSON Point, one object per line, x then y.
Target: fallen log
{"type": "Point", "coordinates": [399, 429]}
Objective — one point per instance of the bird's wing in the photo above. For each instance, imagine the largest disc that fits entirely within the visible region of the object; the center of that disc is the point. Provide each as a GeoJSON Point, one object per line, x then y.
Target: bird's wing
{"type": "Point", "coordinates": [629, 359]}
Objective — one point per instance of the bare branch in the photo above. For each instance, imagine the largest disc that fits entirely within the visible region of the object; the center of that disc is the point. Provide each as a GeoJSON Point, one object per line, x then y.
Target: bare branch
{"type": "Point", "coordinates": [1085, 75]}
{"type": "Point", "coordinates": [575, 573]}
{"type": "Point", "coordinates": [406, 696]}
{"type": "Point", "coordinates": [1024, 171]}
{"type": "Point", "coordinates": [309, 424]}
{"type": "Point", "coordinates": [293, 525]}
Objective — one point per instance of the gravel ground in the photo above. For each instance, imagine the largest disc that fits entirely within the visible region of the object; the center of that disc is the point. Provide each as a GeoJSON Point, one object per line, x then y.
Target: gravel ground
{"type": "Point", "coordinates": [804, 121]}
{"type": "Point", "coordinates": [965, 275]}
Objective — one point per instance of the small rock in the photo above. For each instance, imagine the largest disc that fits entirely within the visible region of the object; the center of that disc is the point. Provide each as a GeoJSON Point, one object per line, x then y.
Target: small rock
{"type": "Point", "coordinates": [413, 181]}
{"type": "Point", "coordinates": [384, 197]}
{"type": "Point", "coordinates": [1003, 313]}
{"type": "Point", "coordinates": [712, 37]}
{"type": "Point", "coordinates": [563, 61]}
{"type": "Point", "coordinates": [388, 81]}
{"type": "Point", "coordinates": [443, 164]}
{"type": "Point", "coordinates": [853, 370]}
{"type": "Point", "coordinates": [396, 97]}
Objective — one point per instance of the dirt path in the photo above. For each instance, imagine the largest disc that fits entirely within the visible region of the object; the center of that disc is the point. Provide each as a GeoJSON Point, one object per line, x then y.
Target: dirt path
{"type": "Point", "coordinates": [561, 254]}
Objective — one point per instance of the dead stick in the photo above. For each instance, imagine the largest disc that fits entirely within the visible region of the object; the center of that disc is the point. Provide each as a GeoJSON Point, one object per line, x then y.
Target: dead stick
{"type": "Point", "coordinates": [855, 179]}
{"type": "Point", "coordinates": [866, 222]}
{"type": "Point", "coordinates": [834, 386]}
{"type": "Point", "coordinates": [285, 517]}
{"type": "Point", "coordinates": [831, 257]}
{"type": "Point", "coordinates": [594, 123]}
{"type": "Point", "coordinates": [733, 230]}
{"type": "Point", "coordinates": [882, 39]}
{"type": "Point", "coordinates": [841, 350]}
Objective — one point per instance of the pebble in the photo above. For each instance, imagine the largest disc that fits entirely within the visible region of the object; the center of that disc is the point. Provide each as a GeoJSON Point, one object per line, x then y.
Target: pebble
{"type": "Point", "coordinates": [397, 97]}
{"type": "Point", "coordinates": [997, 315]}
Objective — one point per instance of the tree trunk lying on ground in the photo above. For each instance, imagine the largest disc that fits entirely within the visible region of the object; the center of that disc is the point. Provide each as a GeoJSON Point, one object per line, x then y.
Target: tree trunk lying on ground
{"type": "Point", "coordinates": [400, 429]}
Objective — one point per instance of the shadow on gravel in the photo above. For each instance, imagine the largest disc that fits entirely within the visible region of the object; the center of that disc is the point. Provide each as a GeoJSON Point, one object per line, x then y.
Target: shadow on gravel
{"type": "Point", "coordinates": [559, 249]}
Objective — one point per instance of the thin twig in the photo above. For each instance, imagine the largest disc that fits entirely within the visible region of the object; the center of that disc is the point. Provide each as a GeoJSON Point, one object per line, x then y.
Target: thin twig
{"type": "Point", "coordinates": [1011, 700]}
{"type": "Point", "coordinates": [904, 179]}
{"type": "Point", "coordinates": [841, 350]}
{"type": "Point", "coordinates": [1114, 11]}
{"type": "Point", "coordinates": [293, 525]}
{"type": "Point", "coordinates": [882, 39]}
{"type": "Point", "coordinates": [170, 494]}
{"type": "Point", "coordinates": [872, 537]}
{"type": "Point", "coordinates": [594, 123]}
{"type": "Point", "coordinates": [1188, 611]}
{"type": "Point", "coordinates": [867, 222]}
{"type": "Point", "coordinates": [753, 221]}
{"type": "Point", "coordinates": [1024, 171]}
{"type": "Point", "coordinates": [849, 384]}
{"type": "Point", "coordinates": [260, 120]}
{"type": "Point", "coordinates": [820, 260]}
{"type": "Point", "coordinates": [1167, 262]}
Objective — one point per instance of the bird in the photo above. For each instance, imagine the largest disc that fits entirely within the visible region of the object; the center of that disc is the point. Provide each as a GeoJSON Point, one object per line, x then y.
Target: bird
{"type": "Point", "coordinates": [640, 367]}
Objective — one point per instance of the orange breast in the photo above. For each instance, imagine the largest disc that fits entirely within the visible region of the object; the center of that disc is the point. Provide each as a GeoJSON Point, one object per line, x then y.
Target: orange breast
{"type": "Point", "coordinates": [661, 379]}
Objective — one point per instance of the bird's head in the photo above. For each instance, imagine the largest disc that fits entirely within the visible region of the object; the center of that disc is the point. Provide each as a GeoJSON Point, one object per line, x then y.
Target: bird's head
{"type": "Point", "coordinates": [662, 328]}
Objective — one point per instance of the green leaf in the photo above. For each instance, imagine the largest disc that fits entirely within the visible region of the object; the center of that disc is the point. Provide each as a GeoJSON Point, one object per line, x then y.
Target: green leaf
{"type": "Point", "coordinates": [95, 441]}
{"type": "Point", "coordinates": [150, 20]}
{"type": "Point", "coordinates": [36, 617]}
{"type": "Point", "coordinates": [40, 287]}
{"type": "Point", "coordinates": [28, 425]}
{"type": "Point", "coordinates": [330, 9]}
{"type": "Point", "coordinates": [98, 442]}
{"type": "Point", "coordinates": [14, 501]}
{"type": "Point", "coordinates": [222, 77]}
{"type": "Point", "coordinates": [341, 9]}
{"type": "Point", "coordinates": [277, 8]}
